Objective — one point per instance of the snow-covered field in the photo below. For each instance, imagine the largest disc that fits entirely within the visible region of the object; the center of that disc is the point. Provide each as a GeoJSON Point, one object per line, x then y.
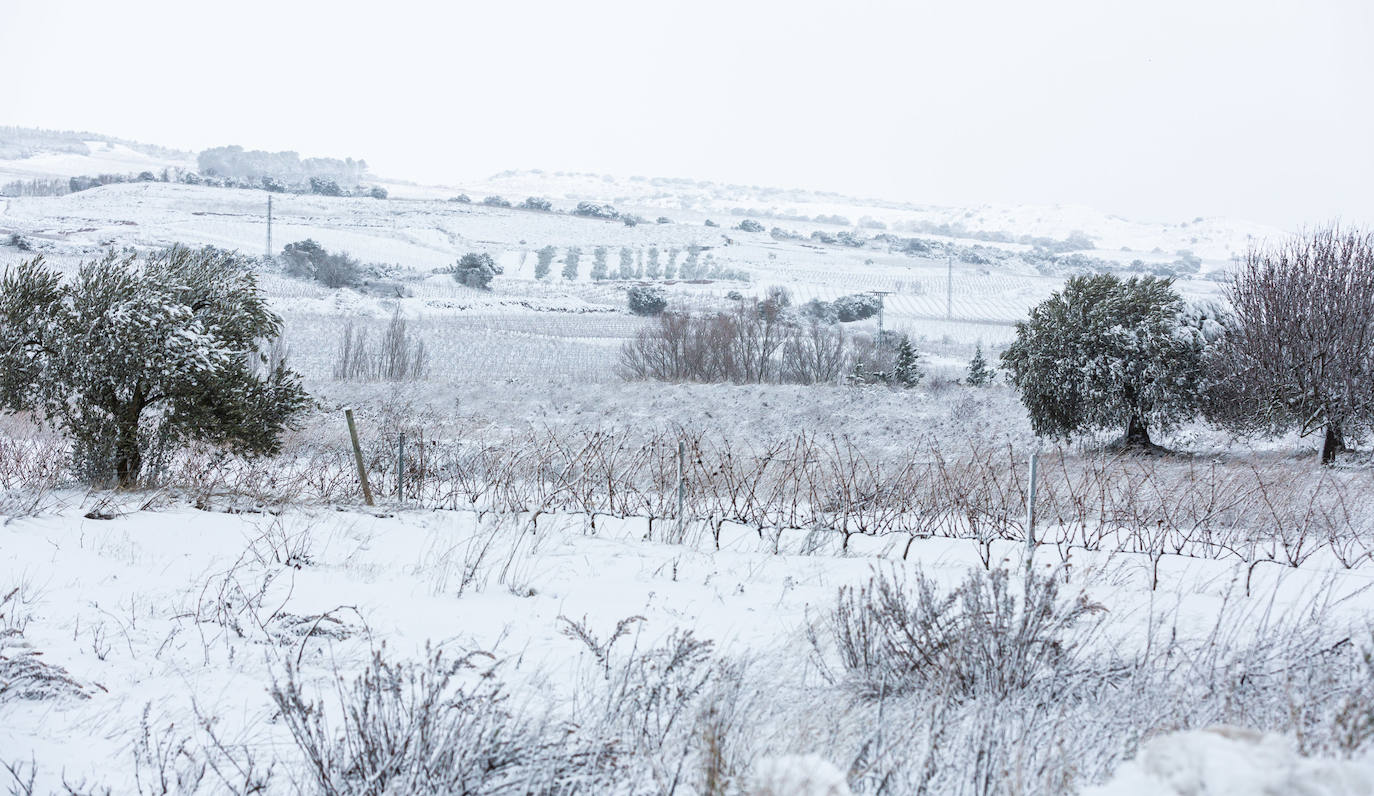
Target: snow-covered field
{"type": "Point", "coordinates": [542, 612]}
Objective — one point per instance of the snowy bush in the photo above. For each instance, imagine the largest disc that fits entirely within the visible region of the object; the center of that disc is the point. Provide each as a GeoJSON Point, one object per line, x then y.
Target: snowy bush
{"type": "Point", "coordinates": [476, 270]}
{"type": "Point", "coordinates": [594, 210]}
{"type": "Point", "coordinates": [495, 201]}
{"type": "Point", "coordinates": [536, 203]}
{"type": "Point", "coordinates": [325, 187]}
{"type": "Point", "coordinates": [377, 192]}
{"type": "Point", "coordinates": [646, 300]}
{"type": "Point", "coordinates": [462, 199]}
{"type": "Point", "coordinates": [749, 225]}
{"type": "Point", "coordinates": [137, 355]}
{"type": "Point", "coordinates": [307, 259]}
{"type": "Point", "coordinates": [856, 307]}
{"type": "Point", "coordinates": [419, 728]}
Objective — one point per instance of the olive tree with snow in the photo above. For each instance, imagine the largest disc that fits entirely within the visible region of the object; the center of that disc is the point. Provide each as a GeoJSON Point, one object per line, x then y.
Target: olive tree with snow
{"type": "Point", "coordinates": [1108, 353]}
{"type": "Point", "coordinates": [139, 354]}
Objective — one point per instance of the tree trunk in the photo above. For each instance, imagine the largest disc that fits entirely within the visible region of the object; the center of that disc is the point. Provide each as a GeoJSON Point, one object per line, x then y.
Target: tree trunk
{"type": "Point", "coordinates": [128, 463]}
{"type": "Point", "coordinates": [1333, 443]}
{"type": "Point", "coordinates": [128, 457]}
{"type": "Point", "coordinates": [1137, 435]}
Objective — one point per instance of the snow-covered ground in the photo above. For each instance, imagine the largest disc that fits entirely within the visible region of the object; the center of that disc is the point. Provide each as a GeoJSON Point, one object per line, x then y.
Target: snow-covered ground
{"type": "Point", "coordinates": [166, 641]}
{"type": "Point", "coordinates": [163, 618]}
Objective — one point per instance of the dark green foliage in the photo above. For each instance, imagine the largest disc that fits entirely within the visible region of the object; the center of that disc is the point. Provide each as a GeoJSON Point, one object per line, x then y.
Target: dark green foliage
{"type": "Point", "coordinates": [307, 259]}
{"type": "Point", "coordinates": [906, 372]}
{"type": "Point", "coordinates": [137, 356]}
{"type": "Point", "coordinates": [1106, 353]}
{"type": "Point", "coordinates": [646, 300]}
{"type": "Point", "coordinates": [476, 270]}
{"type": "Point", "coordinates": [979, 373]}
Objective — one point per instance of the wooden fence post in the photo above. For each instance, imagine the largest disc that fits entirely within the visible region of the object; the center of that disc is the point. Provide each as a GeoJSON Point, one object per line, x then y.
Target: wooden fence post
{"type": "Point", "coordinates": [358, 457]}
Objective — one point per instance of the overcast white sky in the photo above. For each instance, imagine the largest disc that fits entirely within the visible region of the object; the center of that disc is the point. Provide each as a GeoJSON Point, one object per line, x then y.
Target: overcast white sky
{"type": "Point", "coordinates": [1159, 110]}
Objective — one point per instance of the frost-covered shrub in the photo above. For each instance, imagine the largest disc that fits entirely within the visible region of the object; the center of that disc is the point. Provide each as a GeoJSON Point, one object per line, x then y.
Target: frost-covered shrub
{"type": "Point", "coordinates": [495, 201]}
{"type": "Point", "coordinates": [135, 355]}
{"type": "Point", "coordinates": [271, 184]}
{"type": "Point", "coordinates": [462, 199]}
{"type": "Point", "coordinates": [476, 270]}
{"type": "Point", "coordinates": [536, 203]}
{"type": "Point", "coordinates": [307, 259]}
{"type": "Point", "coordinates": [594, 210]}
{"type": "Point", "coordinates": [427, 728]}
{"type": "Point", "coordinates": [20, 242]}
{"type": "Point", "coordinates": [646, 300]}
{"type": "Point", "coordinates": [377, 192]}
{"type": "Point", "coordinates": [711, 223]}
{"type": "Point", "coordinates": [856, 307]}
{"type": "Point", "coordinates": [985, 638]}
{"type": "Point", "coordinates": [663, 220]}
{"type": "Point", "coordinates": [325, 187]}
{"type": "Point", "coordinates": [749, 225]}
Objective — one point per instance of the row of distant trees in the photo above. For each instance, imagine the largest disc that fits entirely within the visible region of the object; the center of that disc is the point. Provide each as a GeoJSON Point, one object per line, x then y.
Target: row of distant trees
{"type": "Point", "coordinates": [760, 341]}
{"type": "Point", "coordinates": [1294, 351]}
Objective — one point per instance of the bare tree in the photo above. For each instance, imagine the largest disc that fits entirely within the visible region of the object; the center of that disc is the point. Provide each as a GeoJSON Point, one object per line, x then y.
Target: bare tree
{"type": "Point", "coordinates": [1299, 352]}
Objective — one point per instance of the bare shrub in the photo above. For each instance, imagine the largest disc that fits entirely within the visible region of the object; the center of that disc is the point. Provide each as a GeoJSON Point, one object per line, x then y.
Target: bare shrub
{"type": "Point", "coordinates": [399, 357]}
{"type": "Point", "coordinates": [418, 728]}
{"type": "Point", "coordinates": [979, 639]}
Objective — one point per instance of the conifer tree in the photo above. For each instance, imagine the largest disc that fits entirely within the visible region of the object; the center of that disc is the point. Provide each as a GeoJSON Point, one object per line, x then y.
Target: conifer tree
{"type": "Point", "coordinates": [980, 374]}
{"type": "Point", "coordinates": [570, 263]}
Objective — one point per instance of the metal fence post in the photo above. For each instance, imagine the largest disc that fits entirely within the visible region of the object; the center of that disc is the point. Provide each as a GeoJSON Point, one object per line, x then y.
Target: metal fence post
{"type": "Point", "coordinates": [401, 466]}
{"type": "Point", "coordinates": [1030, 508]}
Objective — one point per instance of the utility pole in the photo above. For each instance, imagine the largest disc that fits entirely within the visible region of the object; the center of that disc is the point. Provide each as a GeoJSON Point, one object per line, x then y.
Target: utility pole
{"type": "Point", "coordinates": [949, 290]}
{"type": "Point", "coordinates": [882, 305]}
{"type": "Point", "coordinates": [269, 226]}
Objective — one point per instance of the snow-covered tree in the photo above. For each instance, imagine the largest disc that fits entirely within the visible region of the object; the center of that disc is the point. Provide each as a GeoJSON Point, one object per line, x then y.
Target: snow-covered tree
{"type": "Point", "coordinates": [652, 269]}
{"type": "Point", "coordinates": [627, 263]}
{"type": "Point", "coordinates": [544, 263]}
{"type": "Point", "coordinates": [570, 262]}
{"type": "Point", "coordinates": [980, 374]}
{"type": "Point", "coordinates": [1296, 354]}
{"type": "Point", "coordinates": [599, 268]}
{"type": "Point", "coordinates": [1105, 353]}
{"type": "Point", "coordinates": [135, 355]}
{"type": "Point", "coordinates": [476, 270]}
{"type": "Point", "coordinates": [906, 372]}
